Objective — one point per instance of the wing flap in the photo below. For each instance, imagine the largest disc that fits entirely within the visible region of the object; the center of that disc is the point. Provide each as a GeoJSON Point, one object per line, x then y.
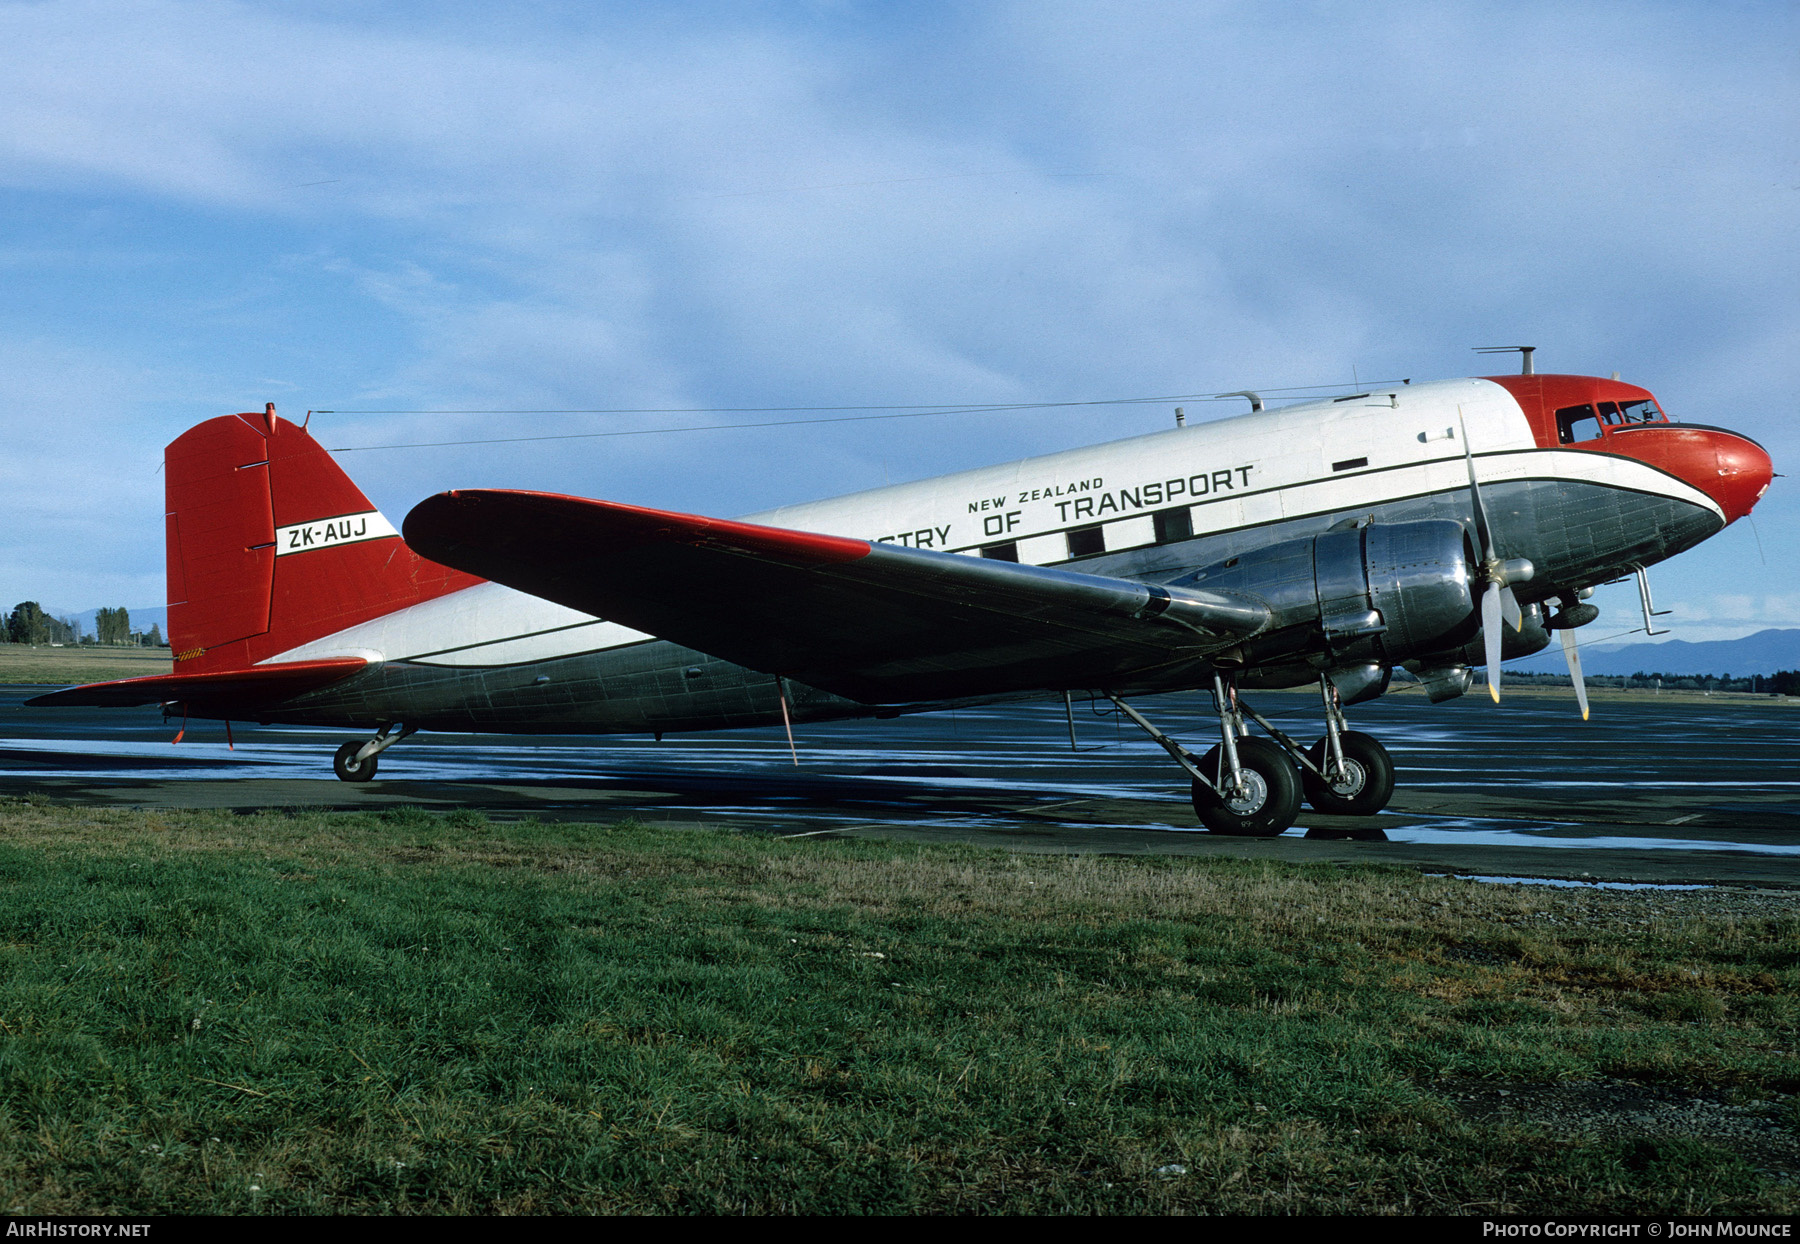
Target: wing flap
{"type": "Point", "coordinates": [246, 688]}
{"type": "Point", "coordinates": [876, 622]}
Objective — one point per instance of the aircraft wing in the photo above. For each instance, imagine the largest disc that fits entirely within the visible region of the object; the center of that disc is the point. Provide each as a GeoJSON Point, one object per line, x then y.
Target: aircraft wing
{"type": "Point", "coordinates": [245, 688]}
{"type": "Point", "coordinates": [875, 622]}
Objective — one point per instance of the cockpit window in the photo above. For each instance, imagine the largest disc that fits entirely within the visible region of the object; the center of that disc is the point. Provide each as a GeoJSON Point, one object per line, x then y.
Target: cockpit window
{"type": "Point", "coordinates": [1615, 415]}
{"type": "Point", "coordinates": [1584, 423]}
{"type": "Point", "coordinates": [1645, 411]}
{"type": "Point", "coordinates": [1576, 423]}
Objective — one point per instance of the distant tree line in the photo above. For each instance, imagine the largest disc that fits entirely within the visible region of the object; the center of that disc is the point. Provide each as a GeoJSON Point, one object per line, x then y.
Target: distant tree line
{"type": "Point", "coordinates": [29, 624]}
{"type": "Point", "coordinates": [1782, 682]}
{"type": "Point", "coordinates": [112, 626]}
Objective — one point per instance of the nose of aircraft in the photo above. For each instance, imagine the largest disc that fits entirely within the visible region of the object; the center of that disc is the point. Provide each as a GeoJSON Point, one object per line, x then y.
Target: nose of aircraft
{"type": "Point", "coordinates": [1730, 468]}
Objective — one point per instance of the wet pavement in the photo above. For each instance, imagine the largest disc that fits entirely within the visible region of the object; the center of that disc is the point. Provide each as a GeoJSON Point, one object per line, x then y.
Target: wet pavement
{"type": "Point", "coordinates": [1652, 789]}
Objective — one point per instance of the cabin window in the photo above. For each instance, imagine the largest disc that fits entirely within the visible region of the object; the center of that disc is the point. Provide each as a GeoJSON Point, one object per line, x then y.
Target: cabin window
{"type": "Point", "coordinates": [1577, 423]}
{"type": "Point", "coordinates": [1008, 552]}
{"type": "Point", "coordinates": [1086, 541]}
{"type": "Point", "coordinates": [1173, 525]}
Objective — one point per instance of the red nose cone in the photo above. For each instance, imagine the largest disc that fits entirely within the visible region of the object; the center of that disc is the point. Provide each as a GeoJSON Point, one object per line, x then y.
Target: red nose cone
{"type": "Point", "coordinates": [1733, 470]}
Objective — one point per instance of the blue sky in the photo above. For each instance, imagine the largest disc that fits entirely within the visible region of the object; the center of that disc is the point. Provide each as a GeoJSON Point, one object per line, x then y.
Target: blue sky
{"type": "Point", "coordinates": [206, 206]}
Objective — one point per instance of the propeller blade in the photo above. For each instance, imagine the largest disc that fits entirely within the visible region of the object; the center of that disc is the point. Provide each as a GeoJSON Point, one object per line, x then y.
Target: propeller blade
{"type": "Point", "coordinates": [1482, 531]}
{"type": "Point", "coordinates": [1509, 609]}
{"type": "Point", "coordinates": [1490, 635]}
{"type": "Point", "coordinates": [1572, 654]}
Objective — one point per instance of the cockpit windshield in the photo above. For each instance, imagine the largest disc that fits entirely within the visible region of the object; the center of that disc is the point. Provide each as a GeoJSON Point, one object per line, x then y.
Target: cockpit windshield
{"type": "Point", "coordinates": [1644, 411]}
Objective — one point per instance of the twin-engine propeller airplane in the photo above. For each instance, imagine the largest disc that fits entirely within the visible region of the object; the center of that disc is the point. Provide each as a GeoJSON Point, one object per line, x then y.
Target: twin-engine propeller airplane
{"type": "Point", "coordinates": [1430, 526]}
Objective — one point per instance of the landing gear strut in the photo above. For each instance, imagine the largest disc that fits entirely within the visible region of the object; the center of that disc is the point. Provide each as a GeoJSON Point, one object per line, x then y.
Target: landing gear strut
{"type": "Point", "coordinates": [1252, 787]}
{"type": "Point", "coordinates": [356, 761]}
{"type": "Point", "coordinates": [1245, 787]}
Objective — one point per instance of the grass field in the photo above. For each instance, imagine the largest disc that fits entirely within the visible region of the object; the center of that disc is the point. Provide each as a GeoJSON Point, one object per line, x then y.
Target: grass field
{"type": "Point", "coordinates": [25, 663]}
{"type": "Point", "coordinates": [310, 1013]}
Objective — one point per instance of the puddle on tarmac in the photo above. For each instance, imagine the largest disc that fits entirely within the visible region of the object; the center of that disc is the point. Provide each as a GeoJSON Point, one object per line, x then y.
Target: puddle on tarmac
{"type": "Point", "coordinates": [1477, 831]}
{"type": "Point", "coordinates": [1577, 885]}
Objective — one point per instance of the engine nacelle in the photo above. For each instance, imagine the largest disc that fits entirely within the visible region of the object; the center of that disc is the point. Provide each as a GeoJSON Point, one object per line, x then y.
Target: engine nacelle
{"type": "Point", "coordinates": [1532, 636]}
{"type": "Point", "coordinates": [1446, 675]}
{"type": "Point", "coordinates": [1381, 593]}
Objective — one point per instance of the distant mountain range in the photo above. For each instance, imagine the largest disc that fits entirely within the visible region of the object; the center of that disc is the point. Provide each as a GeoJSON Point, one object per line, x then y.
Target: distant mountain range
{"type": "Point", "coordinates": [1762, 653]}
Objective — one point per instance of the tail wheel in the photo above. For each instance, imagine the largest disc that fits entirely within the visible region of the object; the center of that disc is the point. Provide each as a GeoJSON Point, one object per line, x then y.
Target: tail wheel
{"type": "Point", "coordinates": [1366, 784]}
{"type": "Point", "coordinates": [1267, 805]}
{"type": "Point", "coordinates": [346, 765]}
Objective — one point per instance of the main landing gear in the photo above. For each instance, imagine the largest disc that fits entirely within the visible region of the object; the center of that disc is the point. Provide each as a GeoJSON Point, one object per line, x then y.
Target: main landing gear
{"type": "Point", "coordinates": [1346, 773]}
{"type": "Point", "coordinates": [356, 760]}
{"type": "Point", "coordinates": [1252, 787]}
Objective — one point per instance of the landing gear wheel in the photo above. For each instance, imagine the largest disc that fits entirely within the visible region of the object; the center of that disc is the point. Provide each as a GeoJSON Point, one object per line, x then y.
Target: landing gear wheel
{"type": "Point", "coordinates": [1368, 781]}
{"type": "Point", "coordinates": [347, 767]}
{"type": "Point", "coordinates": [1269, 805]}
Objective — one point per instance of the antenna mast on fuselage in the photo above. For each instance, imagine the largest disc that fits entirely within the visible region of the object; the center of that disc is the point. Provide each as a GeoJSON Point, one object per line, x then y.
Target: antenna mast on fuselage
{"type": "Point", "coordinates": [1524, 353]}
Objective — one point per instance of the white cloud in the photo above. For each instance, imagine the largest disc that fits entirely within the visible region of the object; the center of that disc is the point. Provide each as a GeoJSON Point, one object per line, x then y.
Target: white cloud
{"type": "Point", "coordinates": [692, 207]}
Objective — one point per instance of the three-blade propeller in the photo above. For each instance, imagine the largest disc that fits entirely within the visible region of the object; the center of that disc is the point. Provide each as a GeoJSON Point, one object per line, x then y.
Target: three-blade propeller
{"type": "Point", "coordinates": [1498, 602]}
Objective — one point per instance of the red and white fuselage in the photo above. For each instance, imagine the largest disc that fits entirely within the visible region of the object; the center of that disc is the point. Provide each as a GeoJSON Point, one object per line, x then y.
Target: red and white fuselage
{"type": "Point", "coordinates": [1239, 482]}
{"type": "Point", "coordinates": [280, 570]}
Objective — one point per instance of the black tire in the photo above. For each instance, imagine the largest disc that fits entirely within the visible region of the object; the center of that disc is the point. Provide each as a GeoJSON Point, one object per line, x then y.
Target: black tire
{"type": "Point", "coordinates": [345, 766]}
{"type": "Point", "coordinates": [1369, 783]}
{"type": "Point", "coordinates": [1274, 801]}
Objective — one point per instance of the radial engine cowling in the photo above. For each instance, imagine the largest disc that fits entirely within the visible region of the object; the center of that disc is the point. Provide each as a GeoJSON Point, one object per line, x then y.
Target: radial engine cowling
{"type": "Point", "coordinates": [1380, 592]}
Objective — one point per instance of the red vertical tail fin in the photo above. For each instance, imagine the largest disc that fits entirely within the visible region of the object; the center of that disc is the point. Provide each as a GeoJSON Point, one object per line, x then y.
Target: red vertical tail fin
{"type": "Point", "coordinates": [270, 545]}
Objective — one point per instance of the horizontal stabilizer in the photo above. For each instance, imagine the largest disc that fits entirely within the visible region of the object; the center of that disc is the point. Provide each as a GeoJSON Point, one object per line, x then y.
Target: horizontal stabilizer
{"type": "Point", "coordinates": [876, 622]}
{"type": "Point", "coordinates": [240, 689]}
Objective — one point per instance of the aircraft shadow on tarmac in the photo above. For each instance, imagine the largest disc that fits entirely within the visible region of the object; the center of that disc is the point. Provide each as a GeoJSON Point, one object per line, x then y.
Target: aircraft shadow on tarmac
{"type": "Point", "coordinates": [1650, 791]}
